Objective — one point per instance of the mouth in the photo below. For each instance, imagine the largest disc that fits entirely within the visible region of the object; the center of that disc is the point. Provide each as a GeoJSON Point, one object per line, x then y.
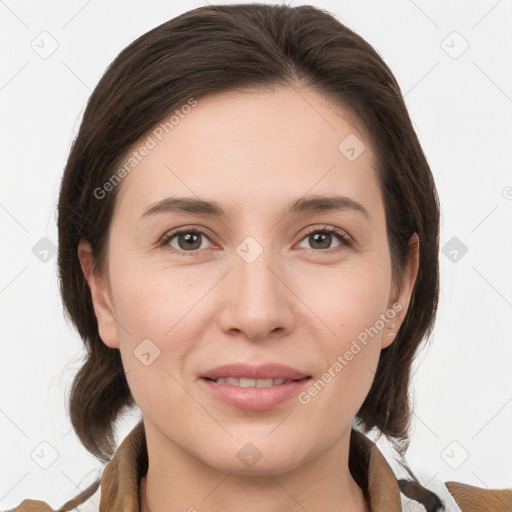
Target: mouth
{"type": "Point", "coordinates": [244, 382]}
{"type": "Point", "coordinates": [248, 373]}
{"type": "Point", "coordinates": [254, 388]}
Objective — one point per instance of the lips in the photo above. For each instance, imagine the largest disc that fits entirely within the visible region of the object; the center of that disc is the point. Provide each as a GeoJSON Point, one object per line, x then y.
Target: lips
{"type": "Point", "coordinates": [254, 388]}
{"type": "Point", "coordinates": [244, 382]}
{"type": "Point", "coordinates": [245, 371]}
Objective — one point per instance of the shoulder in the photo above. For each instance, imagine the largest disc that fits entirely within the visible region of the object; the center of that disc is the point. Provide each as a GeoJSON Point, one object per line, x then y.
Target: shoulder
{"type": "Point", "coordinates": [437, 495]}
{"type": "Point", "coordinates": [472, 499]}
{"type": "Point", "coordinates": [87, 501]}
{"type": "Point", "coordinates": [420, 491]}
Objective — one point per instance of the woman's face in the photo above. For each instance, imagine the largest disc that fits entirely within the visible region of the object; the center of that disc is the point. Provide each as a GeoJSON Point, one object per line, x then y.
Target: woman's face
{"type": "Point", "coordinates": [262, 284]}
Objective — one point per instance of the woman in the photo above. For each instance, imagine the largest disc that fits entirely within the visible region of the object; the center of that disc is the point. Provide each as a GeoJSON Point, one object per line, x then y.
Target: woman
{"type": "Point", "coordinates": [248, 240]}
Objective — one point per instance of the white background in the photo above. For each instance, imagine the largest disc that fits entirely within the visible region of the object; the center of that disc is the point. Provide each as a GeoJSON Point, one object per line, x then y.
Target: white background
{"type": "Point", "coordinates": [462, 111]}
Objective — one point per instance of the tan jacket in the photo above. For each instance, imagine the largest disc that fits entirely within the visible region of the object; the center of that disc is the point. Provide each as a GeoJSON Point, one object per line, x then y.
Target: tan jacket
{"type": "Point", "coordinates": [119, 489]}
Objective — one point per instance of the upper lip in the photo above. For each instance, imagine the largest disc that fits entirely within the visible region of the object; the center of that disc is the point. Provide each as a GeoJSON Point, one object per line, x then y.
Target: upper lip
{"type": "Point", "coordinates": [264, 371]}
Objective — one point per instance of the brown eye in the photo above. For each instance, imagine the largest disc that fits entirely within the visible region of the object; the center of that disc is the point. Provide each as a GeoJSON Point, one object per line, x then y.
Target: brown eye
{"type": "Point", "coordinates": [185, 241]}
{"type": "Point", "coordinates": [322, 239]}
{"type": "Point", "coordinates": [189, 241]}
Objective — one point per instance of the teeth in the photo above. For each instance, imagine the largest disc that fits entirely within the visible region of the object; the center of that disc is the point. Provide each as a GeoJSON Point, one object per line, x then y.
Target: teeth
{"type": "Point", "coordinates": [251, 383]}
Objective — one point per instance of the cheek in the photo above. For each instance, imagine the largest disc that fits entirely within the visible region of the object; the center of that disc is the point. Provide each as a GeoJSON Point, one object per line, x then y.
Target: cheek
{"type": "Point", "coordinates": [349, 298]}
{"type": "Point", "coordinates": [350, 305]}
{"type": "Point", "coordinates": [351, 359]}
{"type": "Point", "coordinates": [161, 316]}
{"type": "Point", "coordinates": [155, 336]}
{"type": "Point", "coordinates": [154, 302]}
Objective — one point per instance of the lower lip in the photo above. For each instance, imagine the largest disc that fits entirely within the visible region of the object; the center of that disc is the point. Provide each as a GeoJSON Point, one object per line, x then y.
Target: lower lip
{"type": "Point", "coordinates": [255, 399]}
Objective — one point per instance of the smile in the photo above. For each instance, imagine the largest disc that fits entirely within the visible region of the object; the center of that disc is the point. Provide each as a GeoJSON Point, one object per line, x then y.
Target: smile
{"type": "Point", "coordinates": [251, 383]}
{"type": "Point", "coordinates": [253, 394]}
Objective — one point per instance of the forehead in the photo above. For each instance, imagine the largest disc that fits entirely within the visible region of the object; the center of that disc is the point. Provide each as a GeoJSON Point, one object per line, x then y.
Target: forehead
{"type": "Point", "coordinates": [248, 148]}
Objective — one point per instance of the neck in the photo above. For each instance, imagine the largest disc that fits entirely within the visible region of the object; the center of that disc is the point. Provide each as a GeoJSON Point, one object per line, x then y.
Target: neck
{"type": "Point", "coordinates": [324, 483]}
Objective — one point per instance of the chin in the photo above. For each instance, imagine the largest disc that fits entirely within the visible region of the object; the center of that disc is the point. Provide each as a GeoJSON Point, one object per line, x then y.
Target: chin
{"type": "Point", "coordinates": [255, 457]}
{"type": "Point", "coordinates": [264, 466]}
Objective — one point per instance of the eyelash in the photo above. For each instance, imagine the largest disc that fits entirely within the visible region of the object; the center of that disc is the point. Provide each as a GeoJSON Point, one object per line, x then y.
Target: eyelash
{"type": "Point", "coordinates": [344, 238]}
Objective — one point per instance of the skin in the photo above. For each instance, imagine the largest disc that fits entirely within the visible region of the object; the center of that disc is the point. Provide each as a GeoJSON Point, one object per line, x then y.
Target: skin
{"type": "Point", "coordinates": [296, 304]}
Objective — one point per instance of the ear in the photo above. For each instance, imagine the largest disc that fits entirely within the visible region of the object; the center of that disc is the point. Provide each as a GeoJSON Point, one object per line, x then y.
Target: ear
{"type": "Point", "coordinates": [101, 296]}
{"type": "Point", "coordinates": [402, 296]}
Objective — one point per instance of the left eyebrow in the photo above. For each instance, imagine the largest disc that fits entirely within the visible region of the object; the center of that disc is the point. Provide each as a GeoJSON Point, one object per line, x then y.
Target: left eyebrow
{"type": "Point", "coordinates": [324, 204]}
{"type": "Point", "coordinates": [214, 209]}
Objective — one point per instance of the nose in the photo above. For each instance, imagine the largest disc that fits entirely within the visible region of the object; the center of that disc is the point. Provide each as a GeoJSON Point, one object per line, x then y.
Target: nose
{"type": "Point", "coordinates": [259, 302]}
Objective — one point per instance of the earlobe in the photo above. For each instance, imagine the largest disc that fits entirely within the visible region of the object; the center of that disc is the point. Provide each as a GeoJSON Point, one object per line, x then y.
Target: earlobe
{"type": "Point", "coordinates": [403, 297]}
{"type": "Point", "coordinates": [100, 295]}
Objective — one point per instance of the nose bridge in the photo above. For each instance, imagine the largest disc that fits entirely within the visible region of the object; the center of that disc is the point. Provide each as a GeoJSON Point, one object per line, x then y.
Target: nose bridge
{"type": "Point", "coordinates": [259, 301]}
{"type": "Point", "coordinates": [253, 264]}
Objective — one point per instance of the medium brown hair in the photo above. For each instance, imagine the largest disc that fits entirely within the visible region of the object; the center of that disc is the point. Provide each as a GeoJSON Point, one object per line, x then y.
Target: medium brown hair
{"type": "Point", "coordinates": [214, 49]}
